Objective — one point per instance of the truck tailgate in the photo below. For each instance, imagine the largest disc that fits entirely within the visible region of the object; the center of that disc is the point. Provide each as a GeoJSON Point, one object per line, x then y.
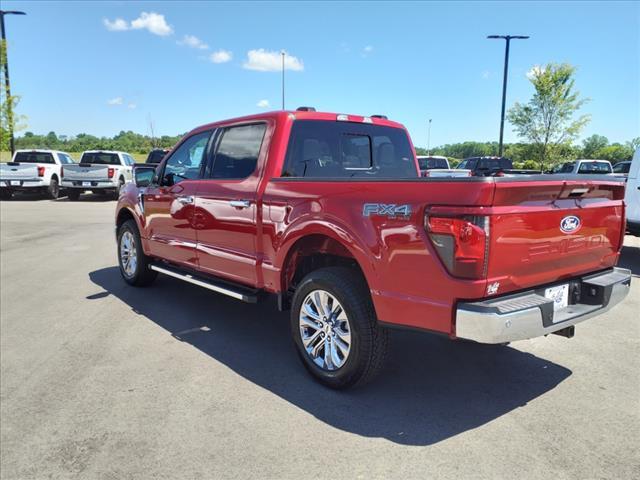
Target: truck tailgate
{"type": "Point", "coordinates": [545, 231]}
{"type": "Point", "coordinates": [17, 171]}
{"type": "Point", "coordinates": [86, 172]}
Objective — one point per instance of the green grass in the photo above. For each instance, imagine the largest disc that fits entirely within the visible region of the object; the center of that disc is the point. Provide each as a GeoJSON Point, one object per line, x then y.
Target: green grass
{"type": "Point", "coordinates": [138, 157]}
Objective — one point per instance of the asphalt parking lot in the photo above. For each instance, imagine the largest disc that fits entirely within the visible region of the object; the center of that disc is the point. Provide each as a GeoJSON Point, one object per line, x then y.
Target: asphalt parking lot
{"type": "Point", "coordinates": [103, 381]}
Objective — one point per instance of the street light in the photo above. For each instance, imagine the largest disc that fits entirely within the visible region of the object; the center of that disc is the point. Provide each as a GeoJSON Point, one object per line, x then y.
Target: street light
{"type": "Point", "coordinates": [429, 139]}
{"type": "Point", "coordinates": [508, 39]}
{"type": "Point", "coordinates": [6, 75]}
{"type": "Point", "coordinates": [283, 55]}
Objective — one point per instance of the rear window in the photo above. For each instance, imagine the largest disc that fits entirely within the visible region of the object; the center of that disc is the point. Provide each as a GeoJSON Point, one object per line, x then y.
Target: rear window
{"type": "Point", "coordinates": [33, 157]}
{"type": "Point", "coordinates": [430, 163]}
{"type": "Point", "coordinates": [99, 158]}
{"type": "Point", "coordinates": [328, 149]}
{"type": "Point", "coordinates": [621, 167]}
{"type": "Point", "coordinates": [495, 164]}
{"type": "Point", "coordinates": [595, 167]}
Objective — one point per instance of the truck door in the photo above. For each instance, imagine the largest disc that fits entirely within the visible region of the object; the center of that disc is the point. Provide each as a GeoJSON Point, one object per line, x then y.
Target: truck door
{"type": "Point", "coordinates": [169, 205]}
{"type": "Point", "coordinates": [227, 204]}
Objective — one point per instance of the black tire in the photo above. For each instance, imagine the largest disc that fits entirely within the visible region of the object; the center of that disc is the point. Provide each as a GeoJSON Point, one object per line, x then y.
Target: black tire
{"type": "Point", "coordinates": [116, 194]}
{"type": "Point", "coordinates": [368, 338]}
{"type": "Point", "coordinates": [73, 194]}
{"type": "Point", "coordinates": [142, 274]}
{"type": "Point", "coordinates": [5, 194]}
{"type": "Point", "coordinates": [53, 190]}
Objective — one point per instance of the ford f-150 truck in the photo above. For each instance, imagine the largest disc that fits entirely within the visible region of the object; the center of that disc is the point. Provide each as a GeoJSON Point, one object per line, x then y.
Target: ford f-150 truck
{"type": "Point", "coordinates": [33, 170]}
{"type": "Point", "coordinates": [101, 171]}
{"type": "Point", "coordinates": [329, 213]}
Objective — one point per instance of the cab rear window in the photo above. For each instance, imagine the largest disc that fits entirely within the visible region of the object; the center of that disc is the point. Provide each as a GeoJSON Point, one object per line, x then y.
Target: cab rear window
{"type": "Point", "coordinates": [100, 158]}
{"type": "Point", "coordinates": [328, 149]}
{"type": "Point", "coordinates": [33, 157]}
{"type": "Point", "coordinates": [595, 167]}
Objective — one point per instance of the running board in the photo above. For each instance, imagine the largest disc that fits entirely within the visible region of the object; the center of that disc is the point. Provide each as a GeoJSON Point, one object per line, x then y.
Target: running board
{"type": "Point", "coordinates": [239, 293]}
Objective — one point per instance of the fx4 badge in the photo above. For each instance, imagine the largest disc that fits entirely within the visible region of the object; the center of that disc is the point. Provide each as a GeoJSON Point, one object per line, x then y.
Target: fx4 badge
{"type": "Point", "coordinates": [391, 210]}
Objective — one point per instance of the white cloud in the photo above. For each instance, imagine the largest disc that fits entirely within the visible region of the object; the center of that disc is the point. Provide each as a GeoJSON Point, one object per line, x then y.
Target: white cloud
{"type": "Point", "coordinates": [269, 61]}
{"type": "Point", "coordinates": [116, 25]}
{"type": "Point", "coordinates": [131, 106]}
{"type": "Point", "coordinates": [221, 56]}
{"type": "Point", "coordinates": [485, 74]}
{"type": "Point", "coordinates": [366, 51]}
{"type": "Point", "coordinates": [534, 72]}
{"type": "Point", "coordinates": [193, 42]}
{"type": "Point", "coordinates": [263, 104]}
{"type": "Point", "coordinates": [115, 101]}
{"type": "Point", "coordinates": [153, 22]}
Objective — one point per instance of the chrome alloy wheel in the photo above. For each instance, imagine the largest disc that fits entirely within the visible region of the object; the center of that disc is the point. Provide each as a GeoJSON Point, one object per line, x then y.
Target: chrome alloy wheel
{"type": "Point", "coordinates": [325, 330]}
{"type": "Point", "coordinates": [128, 254]}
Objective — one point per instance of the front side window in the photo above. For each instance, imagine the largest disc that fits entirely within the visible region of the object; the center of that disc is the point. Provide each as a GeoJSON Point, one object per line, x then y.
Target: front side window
{"type": "Point", "coordinates": [567, 168]}
{"type": "Point", "coordinates": [621, 167]}
{"type": "Point", "coordinates": [329, 149]}
{"type": "Point", "coordinates": [184, 163]}
{"type": "Point", "coordinates": [238, 150]}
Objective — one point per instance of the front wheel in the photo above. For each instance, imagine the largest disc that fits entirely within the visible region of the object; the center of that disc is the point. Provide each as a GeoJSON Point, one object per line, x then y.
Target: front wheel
{"type": "Point", "coordinates": [134, 264]}
{"type": "Point", "coordinates": [335, 329]}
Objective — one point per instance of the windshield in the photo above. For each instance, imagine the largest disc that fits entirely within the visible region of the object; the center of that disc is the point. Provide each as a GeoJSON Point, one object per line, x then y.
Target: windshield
{"type": "Point", "coordinates": [622, 167]}
{"type": "Point", "coordinates": [99, 158]}
{"type": "Point", "coordinates": [595, 167]}
{"type": "Point", "coordinates": [330, 149]}
{"type": "Point", "coordinates": [428, 163]}
{"type": "Point", "coordinates": [33, 157]}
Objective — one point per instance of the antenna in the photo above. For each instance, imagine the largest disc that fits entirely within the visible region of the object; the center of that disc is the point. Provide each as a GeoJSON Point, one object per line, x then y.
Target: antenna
{"type": "Point", "coordinates": [153, 137]}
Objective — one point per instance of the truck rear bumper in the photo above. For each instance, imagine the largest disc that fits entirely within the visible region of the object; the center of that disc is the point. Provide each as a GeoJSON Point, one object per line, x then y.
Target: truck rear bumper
{"type": "Point", "coordinates": [530, 314]}
{"type": "Point", "coordinates": [20, 183]}
{"type": "Point", "coordinates": [88, 184]}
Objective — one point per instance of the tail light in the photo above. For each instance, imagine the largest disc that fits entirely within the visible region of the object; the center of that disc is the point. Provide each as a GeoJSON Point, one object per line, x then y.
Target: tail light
{"type": "Point", "coordinates": [41, 171]}
{"type": "Point", "coordinates": [426, 173]}
{"type": "Point", "coordinates": [61, 172]}
{"type": "Point", "coordinates": [462, 243]}
{"type": "Point", "coordinates": [110, 172]}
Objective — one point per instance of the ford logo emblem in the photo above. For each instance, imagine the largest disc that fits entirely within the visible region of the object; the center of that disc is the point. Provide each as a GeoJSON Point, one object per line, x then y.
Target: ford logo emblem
{"type": "Point", "coordinates": [570, 224]}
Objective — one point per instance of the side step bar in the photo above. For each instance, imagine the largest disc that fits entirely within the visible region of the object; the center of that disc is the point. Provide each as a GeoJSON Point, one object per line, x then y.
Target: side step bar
{"type": "Point", "coordinates": [237, 292]}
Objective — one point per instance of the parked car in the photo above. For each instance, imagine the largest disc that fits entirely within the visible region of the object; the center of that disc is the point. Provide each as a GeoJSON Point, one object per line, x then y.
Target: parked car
{"type": "Point", "coordinates": [434, 166]}
{"type": "Point", "coordinates": [329, 213]}
{"type": "Point", "coordinates": [156, 155]}
{"type": "Point", "coordinates": [33, 170]}
{"type": "Point", "coordinates": [586, 167]}
{"type": "Point", "coordinates": [492, 166]}
{"type": "Point", "coordinates": [632, 196]}
{"type": "Point", "coordinates": [622, 168]}
{"type": "Point", "coordinates": [101, 171]}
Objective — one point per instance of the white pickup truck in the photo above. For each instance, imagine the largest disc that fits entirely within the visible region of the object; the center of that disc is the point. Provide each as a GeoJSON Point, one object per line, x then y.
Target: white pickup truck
{"type": "Point", "coordinates": [33, 170]}
{"type": "Point", "coordinates": [594, 167]}
{"type": "Point", "coordinates": [436, 166]}
{"type": "Point", "coordinates": [101, 171]}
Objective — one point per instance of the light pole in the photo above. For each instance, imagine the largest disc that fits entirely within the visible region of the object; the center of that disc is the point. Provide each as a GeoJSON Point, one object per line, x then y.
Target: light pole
{"type": "Point", "coordinates": [6, 76]}
{"type": "Point", "coordinates": [283, 54]}
{"type": "Point", "coordinates": [429, 139]}
{"type": "Point", "coordinates": [508, 39]}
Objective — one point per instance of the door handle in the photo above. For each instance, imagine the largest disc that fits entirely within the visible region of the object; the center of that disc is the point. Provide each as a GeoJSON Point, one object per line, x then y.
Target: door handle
{"type": "Point", "coordinates": [240, 203]}
{"type": "Point", "coordinates": [185, 200]}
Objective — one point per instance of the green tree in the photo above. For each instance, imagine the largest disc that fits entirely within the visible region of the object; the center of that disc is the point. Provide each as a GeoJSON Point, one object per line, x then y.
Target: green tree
{"type": "Point", "coordinates": [547, 120]}
{"type": "Point", "coordinates": [592, 144]}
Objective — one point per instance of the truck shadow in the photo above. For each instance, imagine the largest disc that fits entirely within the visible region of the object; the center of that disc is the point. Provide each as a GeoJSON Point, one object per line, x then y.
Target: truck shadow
{"type": "Point", "coordinates": [630, 258]}
{"type": "Point", "coordinates": [430, 390]}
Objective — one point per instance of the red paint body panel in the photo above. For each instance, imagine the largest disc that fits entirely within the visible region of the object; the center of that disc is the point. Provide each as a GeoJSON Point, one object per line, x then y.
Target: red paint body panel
{"type": "Point", "coordinates": [409, 283]}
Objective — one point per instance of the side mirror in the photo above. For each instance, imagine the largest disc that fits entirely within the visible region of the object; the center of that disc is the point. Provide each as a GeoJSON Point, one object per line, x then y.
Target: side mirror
{"type": "Point", "coordinates": [144, 176]}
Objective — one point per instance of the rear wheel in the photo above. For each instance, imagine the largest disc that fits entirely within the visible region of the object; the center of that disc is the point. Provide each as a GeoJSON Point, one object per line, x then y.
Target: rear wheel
{"type": "Point", "coordinates": [73, 194]}
{"type": "Point", "coordinates": [335, 330]}
{"type": "Point", "coordinates": [53, 191]}
{"type": "Point", "coordinates": [134, 264]}
{"type": "Point", "coordinates": [5, 194]}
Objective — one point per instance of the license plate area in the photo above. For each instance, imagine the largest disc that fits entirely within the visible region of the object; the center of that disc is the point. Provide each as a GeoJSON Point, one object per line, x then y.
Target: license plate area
{"type": "Point", "coordinates": [559, 294]}
{"type": "Point", "coordinates": [86, 184]}
{"type": "Point", "coordinates": [15, 183]}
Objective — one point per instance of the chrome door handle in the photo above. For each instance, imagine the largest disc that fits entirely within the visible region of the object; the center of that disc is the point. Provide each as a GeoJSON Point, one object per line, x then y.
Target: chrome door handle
{"type": "Point", "coordinates": [240, 203]}
{"type": "Point", "coordinates": [186, 200]}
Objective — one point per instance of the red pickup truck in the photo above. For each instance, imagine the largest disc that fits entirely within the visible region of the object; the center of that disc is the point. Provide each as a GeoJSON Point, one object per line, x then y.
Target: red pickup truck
{"type": "Point", "coordinates": [328, 212]}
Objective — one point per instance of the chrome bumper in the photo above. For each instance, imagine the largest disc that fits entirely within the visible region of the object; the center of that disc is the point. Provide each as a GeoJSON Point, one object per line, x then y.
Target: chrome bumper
{"type": "Point", "coordinates": [94, 184]}
{"type": "Point", "coordinates": [530, 314]}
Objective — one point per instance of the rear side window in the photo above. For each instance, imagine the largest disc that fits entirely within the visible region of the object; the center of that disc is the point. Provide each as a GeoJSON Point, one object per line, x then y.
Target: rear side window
{"type": "Point", "coordinates": [33, 157]}
{"type": "Point", "coordinates": [99, 158]}
{"type": "Point", "coordinates": [595, 167]}
{"type": "Point", "coordinates": [65, 159]}
{"type": "Point", "coordinates": [328, 149]}
{"type": "Point", "coordinates": [237, 153]}
{"type": "Point", "coordinates": [128, 160]}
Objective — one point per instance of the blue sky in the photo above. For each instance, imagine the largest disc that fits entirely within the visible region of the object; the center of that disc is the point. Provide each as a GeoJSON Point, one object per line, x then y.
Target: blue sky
{"type": "Point", "coordinates": [102, 67]}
